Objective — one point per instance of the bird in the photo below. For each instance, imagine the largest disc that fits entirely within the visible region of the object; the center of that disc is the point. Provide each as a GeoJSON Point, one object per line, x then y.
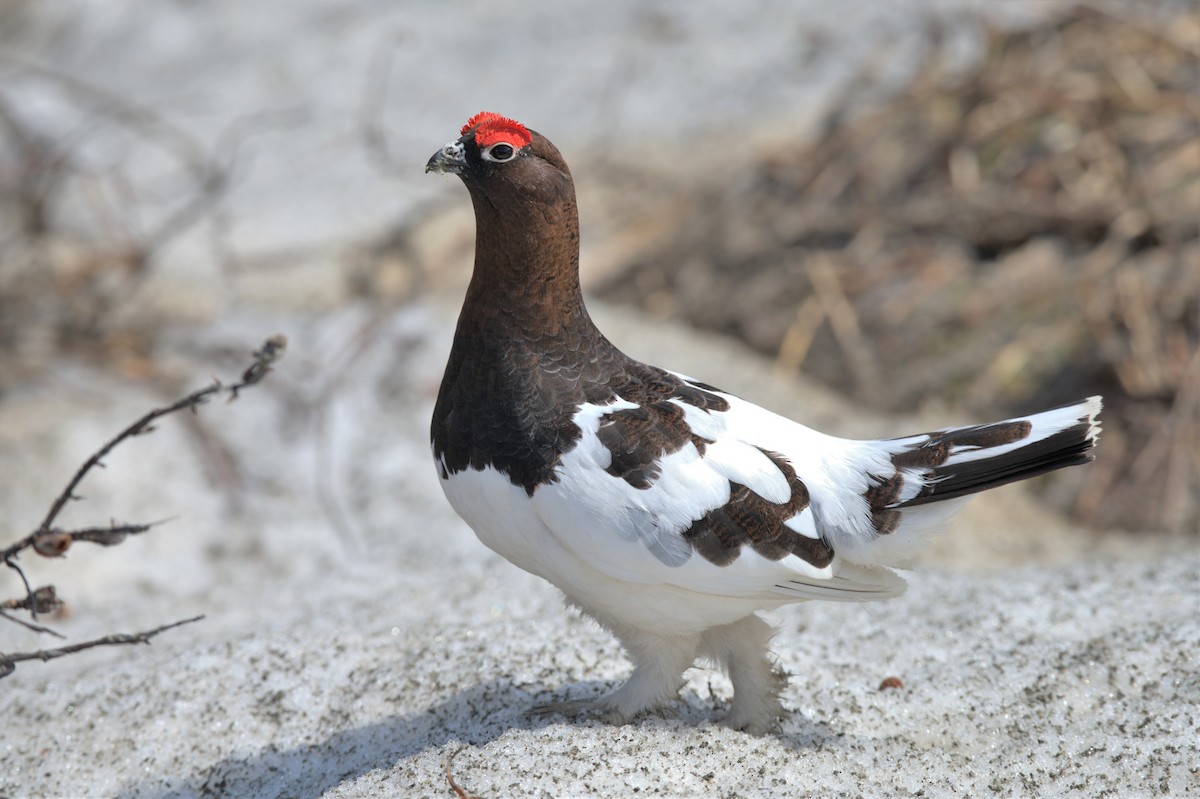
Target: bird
{"type": "Point", "coordinates": [670, 511]}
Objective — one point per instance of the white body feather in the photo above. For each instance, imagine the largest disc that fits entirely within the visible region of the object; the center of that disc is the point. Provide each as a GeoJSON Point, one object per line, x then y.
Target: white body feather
{"type": "Point", "coordinates": [619, 549]}
{"type": "Point", "coordinates": [655, 545]}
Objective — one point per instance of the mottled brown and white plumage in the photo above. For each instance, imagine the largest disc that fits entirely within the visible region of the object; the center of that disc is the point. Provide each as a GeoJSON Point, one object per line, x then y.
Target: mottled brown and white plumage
{"type": "Point", "coordinates": [669, 510]}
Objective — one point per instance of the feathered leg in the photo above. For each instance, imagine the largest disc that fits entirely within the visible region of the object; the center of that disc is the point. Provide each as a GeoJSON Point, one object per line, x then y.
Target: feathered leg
{"type": "Point", "coordinates": [658, 666]}
{"type": "Point", "coordinates": [659, 662]}
{"type": "Point", "coordinates": [742, 649]}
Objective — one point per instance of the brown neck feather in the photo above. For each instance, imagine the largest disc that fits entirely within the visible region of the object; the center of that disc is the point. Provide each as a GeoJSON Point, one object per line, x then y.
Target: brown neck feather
{"type": "Point", "coordinates": [526, 278]}
{"type": "Point", "coordinates": [526, 268]}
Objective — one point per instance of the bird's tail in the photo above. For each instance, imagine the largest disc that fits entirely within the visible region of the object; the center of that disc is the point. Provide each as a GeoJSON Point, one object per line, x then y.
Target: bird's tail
{"type": "Point", "coordinates": [932, 474]}
{"type": "Point", "coordinates": [965, 460]}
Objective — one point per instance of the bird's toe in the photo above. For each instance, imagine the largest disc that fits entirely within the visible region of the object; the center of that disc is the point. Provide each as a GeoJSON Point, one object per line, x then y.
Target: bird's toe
{"type": "Point", "coordinates": [605, 709]}
{"type": "Point", "coordinates": [576, 708]}
{"type": "Point", "coordinates": [759, 717]}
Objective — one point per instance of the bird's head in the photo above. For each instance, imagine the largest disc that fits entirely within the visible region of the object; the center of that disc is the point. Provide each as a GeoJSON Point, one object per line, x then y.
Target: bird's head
{"type": "Point", "coordinates": [496, 155]}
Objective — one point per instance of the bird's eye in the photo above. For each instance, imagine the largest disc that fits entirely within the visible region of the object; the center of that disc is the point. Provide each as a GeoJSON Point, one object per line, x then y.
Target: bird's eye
{"type": "Point", "coordinates": [499, 152]}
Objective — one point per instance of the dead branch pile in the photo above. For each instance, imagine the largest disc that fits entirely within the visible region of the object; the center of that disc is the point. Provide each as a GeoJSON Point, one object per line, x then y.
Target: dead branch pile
{"type": "Point", "coordinates": [94, 190]}
{"type": "Point", "coordinates": [1004, 237]}
{"type": "Point", "coordinates": [79, 230]}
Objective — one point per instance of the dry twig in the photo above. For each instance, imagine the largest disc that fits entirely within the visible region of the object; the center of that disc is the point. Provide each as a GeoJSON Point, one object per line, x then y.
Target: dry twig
{"type": "Point", "coordinates": [67, 287]}
{"type": "Point", "coordinates": [8, 662]}
{"type": "Point", "coordinates": [454, 786]}
{"type": "Point", "coordinates": [52, 542]}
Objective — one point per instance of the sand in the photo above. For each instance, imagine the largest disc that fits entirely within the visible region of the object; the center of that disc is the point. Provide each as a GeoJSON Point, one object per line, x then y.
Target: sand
{"type": "Point", "coordinates": [368, 662]}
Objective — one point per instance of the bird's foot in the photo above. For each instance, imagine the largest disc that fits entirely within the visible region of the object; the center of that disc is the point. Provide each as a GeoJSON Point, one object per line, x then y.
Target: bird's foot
{"type": "Point", "coordinates": [570, 708]}
{"type": "Point", "coordinates": [581, 708]}
{"type": "Point", "coordinates": [757, 721]}
{"type": "Point", "coordinates": [606, 709]}
{"type": "Point", "coordinates": [756, 708]}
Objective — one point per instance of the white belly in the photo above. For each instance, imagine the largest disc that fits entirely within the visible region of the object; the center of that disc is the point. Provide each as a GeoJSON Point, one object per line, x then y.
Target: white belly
{"type": "Point", "coordinates": [504, 519]}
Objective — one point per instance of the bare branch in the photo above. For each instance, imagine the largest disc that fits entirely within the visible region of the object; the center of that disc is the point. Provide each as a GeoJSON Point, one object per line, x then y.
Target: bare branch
{"type": "Point", "coordinates": [141, 426]}
{"type": "Point", "coordinates": [454, 786]}
{"type": "Point", "coordinates": [217, 177]}
{"type": "Point", "coordinates": [8, 663]}
{"type": "Point", "coordinates": [271, 350]}
{"type": "Point", "coordinates": [375, 95]}
{"type": "Point", "coordinates": [37, 628]}
{"type": "Point", "coordinates": [53, 542]}
{"type": "Point", "coordinates": [134, 116]}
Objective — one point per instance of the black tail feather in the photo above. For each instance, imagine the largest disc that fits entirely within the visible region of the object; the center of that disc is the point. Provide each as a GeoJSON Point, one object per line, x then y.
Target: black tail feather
{"type": "Point", "coordinates": [968, 470]}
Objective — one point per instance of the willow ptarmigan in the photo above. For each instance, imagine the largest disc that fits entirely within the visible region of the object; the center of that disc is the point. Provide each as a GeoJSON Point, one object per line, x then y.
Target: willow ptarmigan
{"type": "Point", "coordinates": [667, 509]}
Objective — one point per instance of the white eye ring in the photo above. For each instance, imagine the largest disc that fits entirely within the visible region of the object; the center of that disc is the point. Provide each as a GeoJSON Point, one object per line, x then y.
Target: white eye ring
{"type": "Point", "coordinates": [489, 156]}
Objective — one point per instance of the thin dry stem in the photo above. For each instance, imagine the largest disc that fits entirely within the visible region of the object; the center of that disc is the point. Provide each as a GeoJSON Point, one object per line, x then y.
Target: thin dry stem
{"type": "Point", "coordinates": [49, 541]}
{"type": "Point", "coordinates": [8, 662]}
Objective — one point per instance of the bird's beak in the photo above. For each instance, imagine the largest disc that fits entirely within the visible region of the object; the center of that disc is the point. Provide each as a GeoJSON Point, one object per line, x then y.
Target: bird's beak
{"type": "Point", "coordinates": [451, 158]}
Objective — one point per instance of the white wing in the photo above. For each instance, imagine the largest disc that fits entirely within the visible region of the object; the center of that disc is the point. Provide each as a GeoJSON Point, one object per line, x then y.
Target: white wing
{"type": "Point", "coordinates": [641, 534]}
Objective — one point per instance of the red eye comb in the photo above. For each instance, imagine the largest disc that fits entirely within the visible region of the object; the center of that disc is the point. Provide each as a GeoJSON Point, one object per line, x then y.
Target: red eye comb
{"type": "Point", "coordinates": [492, 128]}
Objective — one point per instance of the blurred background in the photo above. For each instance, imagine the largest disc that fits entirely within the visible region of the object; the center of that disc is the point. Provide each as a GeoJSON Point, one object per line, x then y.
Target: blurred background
{"type": "Point", "coordinates": [877, 217]}
{"type": "Point", "coordinates": [931, 209]}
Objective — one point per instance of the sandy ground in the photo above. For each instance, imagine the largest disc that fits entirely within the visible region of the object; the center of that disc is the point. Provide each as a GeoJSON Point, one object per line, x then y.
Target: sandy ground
{"type": "Point", "coordinates": [1036, 659]}
{"type": "Point", "coordinates": [358, 640]}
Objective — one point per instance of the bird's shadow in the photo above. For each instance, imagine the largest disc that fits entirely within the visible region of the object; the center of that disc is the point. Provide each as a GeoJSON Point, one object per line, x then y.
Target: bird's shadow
{"type": "Point", "coordinates": [474, 716]}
